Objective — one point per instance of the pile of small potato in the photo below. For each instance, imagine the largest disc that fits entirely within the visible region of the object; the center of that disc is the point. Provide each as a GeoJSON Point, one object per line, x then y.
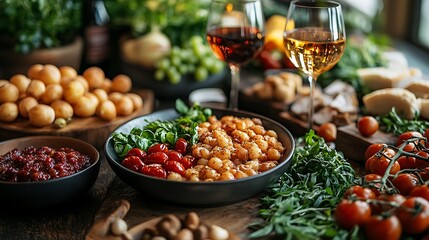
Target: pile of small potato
{"type": "Point", "coordinates": [48, 94]}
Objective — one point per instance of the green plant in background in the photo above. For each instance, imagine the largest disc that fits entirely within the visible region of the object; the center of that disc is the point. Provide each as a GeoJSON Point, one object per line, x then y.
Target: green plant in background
{"type": "Point", "coordinates": [178, 19]}
{"type": "Point", "coordinates": [27, 25]}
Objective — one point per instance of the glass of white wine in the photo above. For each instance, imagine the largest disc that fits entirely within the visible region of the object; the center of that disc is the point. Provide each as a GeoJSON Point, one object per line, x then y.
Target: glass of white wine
{"type": "Point", "coordinates": [317, 41]}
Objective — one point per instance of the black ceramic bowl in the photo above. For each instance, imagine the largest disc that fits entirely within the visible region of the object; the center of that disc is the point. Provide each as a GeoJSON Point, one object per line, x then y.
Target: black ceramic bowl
{"type": "Point", "coordinates": [51, 192]}
{"type": "Point", "coordinates": [200, 193]}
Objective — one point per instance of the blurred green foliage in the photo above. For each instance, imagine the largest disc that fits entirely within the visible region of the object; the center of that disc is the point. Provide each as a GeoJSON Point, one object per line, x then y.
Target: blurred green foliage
{"type": "Point", "coordinates": [31, 24]}
{"type": "Point", "coordinates": [178, 19]}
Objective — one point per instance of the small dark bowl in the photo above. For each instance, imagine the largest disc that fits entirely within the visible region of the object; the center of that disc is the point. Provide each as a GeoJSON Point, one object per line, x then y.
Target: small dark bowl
{"type": "Point", "coordinates": [52, 192]}
{"type": "Point", "coordinates": [200, 193]}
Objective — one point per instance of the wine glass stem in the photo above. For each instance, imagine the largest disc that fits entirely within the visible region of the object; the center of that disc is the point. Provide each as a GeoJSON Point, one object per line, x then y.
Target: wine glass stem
{"type": "Point", "coordinates": [312, 82]}
{"type": "Point", "coordinates": [235, 81]}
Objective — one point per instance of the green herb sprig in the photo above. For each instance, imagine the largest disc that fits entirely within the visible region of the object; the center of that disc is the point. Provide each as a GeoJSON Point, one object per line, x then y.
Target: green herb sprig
{"type": "Point", "coordinates": [300, 204]}
{"type": "Point", "coordinates": [159, 131]}
{"type": "Point", "coordinates": [393, 123]}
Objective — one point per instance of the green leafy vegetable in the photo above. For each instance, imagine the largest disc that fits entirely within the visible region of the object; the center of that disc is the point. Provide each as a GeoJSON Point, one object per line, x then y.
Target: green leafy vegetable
{"type": "Point", "coordinates": [393, 123]}
{"type": "Point", "coordinates": [300, 204]}
{"type": "Point", "coordinates": [159, 131]}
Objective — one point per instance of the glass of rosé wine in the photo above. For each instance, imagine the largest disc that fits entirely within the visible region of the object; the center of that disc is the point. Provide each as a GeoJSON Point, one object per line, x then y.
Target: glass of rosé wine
{"type": "Point", "coordinates": [317, 41]}
{"type": "Point", "coordinates": [236, 33]}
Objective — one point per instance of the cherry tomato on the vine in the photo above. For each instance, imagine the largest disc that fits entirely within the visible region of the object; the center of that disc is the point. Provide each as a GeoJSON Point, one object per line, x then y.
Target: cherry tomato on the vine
{"type": "Point", "coordinates": [350, 213]}
{"type": "Point", "coordinates": [379, 165]}
{"type": "Point", "coordinates": [407, 135]}
{"type": "Point", "coordinates": [420, 162]}
{"type": "Point", "coordinates": [405, 182]}
{"type": "Point", "coordinates": [373, 149]}
{"type": "Point", "coordinates": [328, 131]}
{"type": "Point", "coordinates": [414, 215]}
{"type": "Point", "coordinates": [420, 191]}
{"type": "Point", "coordinates": [407, 162]}
{"type": "Point", "coordinates": [383, 228]}
{"type": "Point", "coordinates": [359, 192]}
{"type": "Point", "coordinates": [367, 125]}
{"type": "Point", "coordinates": [372, 181]}
{"type": "Point", "coordinates": [386, 202]}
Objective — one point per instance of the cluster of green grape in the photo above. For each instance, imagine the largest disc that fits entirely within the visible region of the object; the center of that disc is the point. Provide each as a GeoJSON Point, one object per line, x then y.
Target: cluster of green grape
{"type": "Point", "coordinates": [194, 58]}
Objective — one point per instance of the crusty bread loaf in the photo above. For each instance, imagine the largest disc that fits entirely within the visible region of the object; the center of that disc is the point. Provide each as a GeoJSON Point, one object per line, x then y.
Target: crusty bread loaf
{"type": "Point", "coordinates": [420, 88]}
{"type": "Point", "coordinates": [380, 102]}
{"type": "Point", "coordinates": [424, 107]}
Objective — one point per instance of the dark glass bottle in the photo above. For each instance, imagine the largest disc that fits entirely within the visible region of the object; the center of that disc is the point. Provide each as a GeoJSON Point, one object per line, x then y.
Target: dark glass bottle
{"type": "Point", "coordinates": [96, 35]}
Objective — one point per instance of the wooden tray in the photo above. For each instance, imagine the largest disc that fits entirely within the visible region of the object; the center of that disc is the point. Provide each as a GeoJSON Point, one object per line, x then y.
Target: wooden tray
{"type": "Point", "coordinates": [92, 129]}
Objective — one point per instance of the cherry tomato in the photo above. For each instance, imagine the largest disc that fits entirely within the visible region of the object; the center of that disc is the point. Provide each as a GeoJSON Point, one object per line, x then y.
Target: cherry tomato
{"type": "Point", "coordinates": [373, 149]}
{"type": "Point", "coordinates": [174, 166]}
{"type": "Point", "coordinates": [407, 162]}
{"type": "Point", "coordinates": [425, 174]}
{"type": "Point", "coordinates": [187, 161]}
{"type": "Point", "coordinates": [158, 147]}
{"type": "Point", "coordinates": [154, 170]}
{"type": "Point", "coordinates": [420, 162]}
{"type": "Point", "coordinates": [136, 152]}
{"type": "Point", "coordinates": [407, 135]}
{"type": "Point", "coordinates": [379, 165]}
{"type": "Point", "coordinates": [328, 131]}
{"type": "Point", "coordinates": [372, 180]}
{"type": "Point", "coordinates": [420, 191]}
{"type": "Point", "coordinates": [174, 155]}
{"type": "Point", "coordinates": [410, 147]}
{"type": "Point", "coordinates": [351, 213]}
{"type": "Point", "coordinates": [133, 163]}
{"type": "Point", "coordinates": [181, 146]}
{"type": "Point", "coordinates": [386, 202]}
{"type": "Point", "coordinates": [405, 182]}
{"type": "Point", "coordinates": [367, 126]}
{"type": "Point", "coordinates": [383, 228]}
{"type": "Point", "coordinates": [359, 192]}
{"type": "Point", "coordinates": [156, 157]}
{"type": "Point", "coordinates": [414, 215]}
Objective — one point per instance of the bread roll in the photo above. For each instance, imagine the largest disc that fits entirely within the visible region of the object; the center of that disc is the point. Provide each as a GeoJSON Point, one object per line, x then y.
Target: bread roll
{"type": "Point", "coordinates": [420, 88]}
{"type": "Point", "coordinates": [380, 102]}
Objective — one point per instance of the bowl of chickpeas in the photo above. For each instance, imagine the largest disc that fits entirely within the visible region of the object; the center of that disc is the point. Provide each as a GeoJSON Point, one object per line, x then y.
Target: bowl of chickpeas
{"type": "Point", "coordinates": [237, 155]}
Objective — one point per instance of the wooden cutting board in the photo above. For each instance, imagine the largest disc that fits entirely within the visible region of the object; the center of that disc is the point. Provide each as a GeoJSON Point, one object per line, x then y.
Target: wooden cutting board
{"type": "Point", "coordinates": [92, 129]}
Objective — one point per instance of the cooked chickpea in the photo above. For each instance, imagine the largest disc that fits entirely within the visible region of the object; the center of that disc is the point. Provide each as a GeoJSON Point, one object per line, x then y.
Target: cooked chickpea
{"type": "Point", "coordinates": [262, 144]}
{"type": "Point", "coordinates": [95, 77]}
{"type": "Point", "coordinates": [174, 176]}
{"type": "Point", "coordinates": [215, 163]}
{"type": "Point", "coordinates": [25, 105]}
{"type": "Point", "coordinates": [121, 83]}
{"type": "Point", "coordinates": [33, 71]}
{"type": "Point", "coordinates": [248, 170]}
{"type": "Point", "coordinates": [9, 93]}
{"type": "Point", "coordinates": [253, 164]}
{"type": "Point", "coordinates": [107, 110]}
{"type": "Point", "coordinates": [254, 153]}
{"type": "Point", "coordinates": [221, 153]}
{"type": "Point", "coordinates": [240, 136]}
{"type": "Point", "coordinates": [73, 91]}
{"type": "Point", "coordinates": [21, 82]}
{"type": "Point", "coordinates": [49, 74]}
{"type": "Point", "coordinates": [62, 109]}
{"type": "Point", "coordinates": [271, 133]}
{"type": "Point", "coordinates": [273, 154]}
{"type": "Point", "coordinates": [258, 129]}
{"type": "Point", "coordinates": [8, 112]}
{"type": "Point", "coordinates": [41, 115]}
{"type": "Point", "coordinates": [53, 92]}
{"type": "Point", "coordinates": [265, 166]}
{"type": "Point", "coordinates": [240, 174]}
{"type": "Point", "coordinates": [201, 152]}
{"type": "Point", "coordinates": [224, 176]}
{"type": "Point", "coordinates": [203, 161]}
